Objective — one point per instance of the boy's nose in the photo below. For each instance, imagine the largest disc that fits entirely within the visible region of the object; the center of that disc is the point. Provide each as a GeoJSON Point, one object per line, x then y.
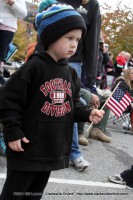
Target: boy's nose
{"type": "Point", "coordinates": [74, 44]}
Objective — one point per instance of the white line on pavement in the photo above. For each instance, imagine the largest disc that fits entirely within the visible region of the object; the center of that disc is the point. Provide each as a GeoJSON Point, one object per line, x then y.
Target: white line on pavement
{"type": "Point", "coordinates": [90, 183]}
{"type": "Point", "coordinates": [79, 182]}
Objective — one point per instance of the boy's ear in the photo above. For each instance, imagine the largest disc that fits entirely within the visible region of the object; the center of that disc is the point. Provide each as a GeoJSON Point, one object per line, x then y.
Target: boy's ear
{"type": "Point", "coordinates": [85, 2]}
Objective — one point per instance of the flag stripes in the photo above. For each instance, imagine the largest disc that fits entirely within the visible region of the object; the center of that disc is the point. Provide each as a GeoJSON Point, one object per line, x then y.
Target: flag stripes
{"type": "Point", "coordinates": [119, 101]}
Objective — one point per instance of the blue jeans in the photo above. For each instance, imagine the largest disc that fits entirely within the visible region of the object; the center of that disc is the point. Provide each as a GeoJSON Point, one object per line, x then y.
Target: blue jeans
{"type": "Point", "coordinates": [75, 153]}
{"type": "Point", "coordinates": [77, 67]}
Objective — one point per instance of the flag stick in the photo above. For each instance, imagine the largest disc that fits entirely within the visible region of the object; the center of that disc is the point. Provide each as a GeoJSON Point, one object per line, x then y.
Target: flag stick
{"type": "Point", "coordinates": [91, 125]}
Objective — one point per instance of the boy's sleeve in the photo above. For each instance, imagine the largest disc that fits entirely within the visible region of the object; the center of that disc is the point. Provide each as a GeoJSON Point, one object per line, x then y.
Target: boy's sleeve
{"type": "Point", "coordinates": [13, 98]}
{"type": "Point", "coordinates": [81, 112]}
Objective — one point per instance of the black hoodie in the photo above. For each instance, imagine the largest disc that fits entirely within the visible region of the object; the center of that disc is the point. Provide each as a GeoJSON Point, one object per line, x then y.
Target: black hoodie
{"type": "Point", "coordinates": [40, 102]}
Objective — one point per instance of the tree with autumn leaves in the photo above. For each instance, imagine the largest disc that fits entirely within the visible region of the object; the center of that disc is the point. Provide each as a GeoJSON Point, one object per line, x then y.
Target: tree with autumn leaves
{"type": "Point", "coordinates": [117, 26]}
{"type": "Point", "coordinates": [23, 37]}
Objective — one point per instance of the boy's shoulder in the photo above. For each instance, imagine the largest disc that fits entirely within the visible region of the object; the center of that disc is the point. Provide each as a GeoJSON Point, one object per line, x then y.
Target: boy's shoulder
{"type": "Point", "coordinates": [33, 62]}
{"type": "Point", "coordinates": [36, 56]}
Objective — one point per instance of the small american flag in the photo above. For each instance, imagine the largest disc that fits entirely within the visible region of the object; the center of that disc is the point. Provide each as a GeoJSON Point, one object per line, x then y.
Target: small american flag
{"type": "Point", "coordinates": [119, 101]}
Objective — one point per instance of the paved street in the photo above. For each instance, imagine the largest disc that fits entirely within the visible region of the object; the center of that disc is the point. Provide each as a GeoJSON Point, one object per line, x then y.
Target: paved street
{"type": "Point", "coordinates": [92, 184]}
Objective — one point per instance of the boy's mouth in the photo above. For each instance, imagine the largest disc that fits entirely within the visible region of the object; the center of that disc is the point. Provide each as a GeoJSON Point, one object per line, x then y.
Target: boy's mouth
{"type": "Point", "coordinates": [71, 52]}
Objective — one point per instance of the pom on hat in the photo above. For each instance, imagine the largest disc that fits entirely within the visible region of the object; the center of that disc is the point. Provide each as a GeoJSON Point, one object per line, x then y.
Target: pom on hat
{"type": "Point", "coordinates": [57, 20]}
{"type": "Point", "coordinates": [44, 4]}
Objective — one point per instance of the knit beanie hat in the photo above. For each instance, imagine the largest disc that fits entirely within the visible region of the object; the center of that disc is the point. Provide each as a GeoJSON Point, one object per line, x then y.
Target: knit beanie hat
{"type": "Point", "coordinates": [57, 20]}
{"type": "Point", "coordinates": [44, 4]}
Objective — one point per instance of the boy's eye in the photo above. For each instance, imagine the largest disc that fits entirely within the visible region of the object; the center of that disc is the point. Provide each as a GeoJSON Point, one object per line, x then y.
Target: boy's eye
{"type": "Point", "coordinates": [70, 38]}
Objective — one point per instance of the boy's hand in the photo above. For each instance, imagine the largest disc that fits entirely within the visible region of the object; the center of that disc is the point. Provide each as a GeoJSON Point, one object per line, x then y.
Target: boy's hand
{"type": "Point", "coordinates": [96, 116]}
{"type": "Point", "coordinates": [16, 145]}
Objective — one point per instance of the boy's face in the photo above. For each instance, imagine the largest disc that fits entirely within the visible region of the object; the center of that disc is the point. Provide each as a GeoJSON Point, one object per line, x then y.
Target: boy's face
{"type": "Point", "coordinates": [65, 46]}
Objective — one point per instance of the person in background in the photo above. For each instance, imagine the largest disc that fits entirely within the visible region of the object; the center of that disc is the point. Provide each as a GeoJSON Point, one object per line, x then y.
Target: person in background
{"type": "Point", "coordinates": [87, 52]}
{"type": "Point", "coordinates": [124, 178]}
{"type": "Point", "coordinates": [76, 158]}
{"type": "Point", "coordinates": [121, 63]}
{"type": "Point", "coordinates": [126, 83]}
{"type": "Point", "coordinates": [30, 50]}
{"type": "Point", "coordinates": [110, 71]}
{"type": "Point", "coordinates": [98, 131]}
{"type": "Point", "coordinates": [103, 59]}
{"type": "Point", "coordinates": [86, 55]}
{"type": "Point", "coordinates": [39, 105]}
{"type": "Point", "coordinates": [127, 57]}
{"type": "Point", "coordinates": [130, 62]}
{"type": "Point", "coordinates": [10, 10]}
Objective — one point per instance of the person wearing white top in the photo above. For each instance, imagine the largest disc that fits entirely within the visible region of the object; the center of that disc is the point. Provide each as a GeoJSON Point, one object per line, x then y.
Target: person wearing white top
{"type": "Point", "coordinates": [10, 10]}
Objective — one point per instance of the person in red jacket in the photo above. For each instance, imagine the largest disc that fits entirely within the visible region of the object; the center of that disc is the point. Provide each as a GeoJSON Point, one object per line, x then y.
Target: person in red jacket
{"type": "Point", "coordinates": [120, 63]}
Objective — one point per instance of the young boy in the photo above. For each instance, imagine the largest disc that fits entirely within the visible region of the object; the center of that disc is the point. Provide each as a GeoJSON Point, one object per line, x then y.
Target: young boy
{"type": "Point", "coordinates": [39, 105]}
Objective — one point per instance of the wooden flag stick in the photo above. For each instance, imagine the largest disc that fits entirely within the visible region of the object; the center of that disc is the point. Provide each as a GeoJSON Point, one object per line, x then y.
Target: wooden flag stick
{"type": "Point", "coordinates": [91, 125]}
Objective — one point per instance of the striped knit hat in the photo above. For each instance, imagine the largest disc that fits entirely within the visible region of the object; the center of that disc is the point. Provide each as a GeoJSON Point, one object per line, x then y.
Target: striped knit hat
{"type": "Point", "coordinates": [57, 20]}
